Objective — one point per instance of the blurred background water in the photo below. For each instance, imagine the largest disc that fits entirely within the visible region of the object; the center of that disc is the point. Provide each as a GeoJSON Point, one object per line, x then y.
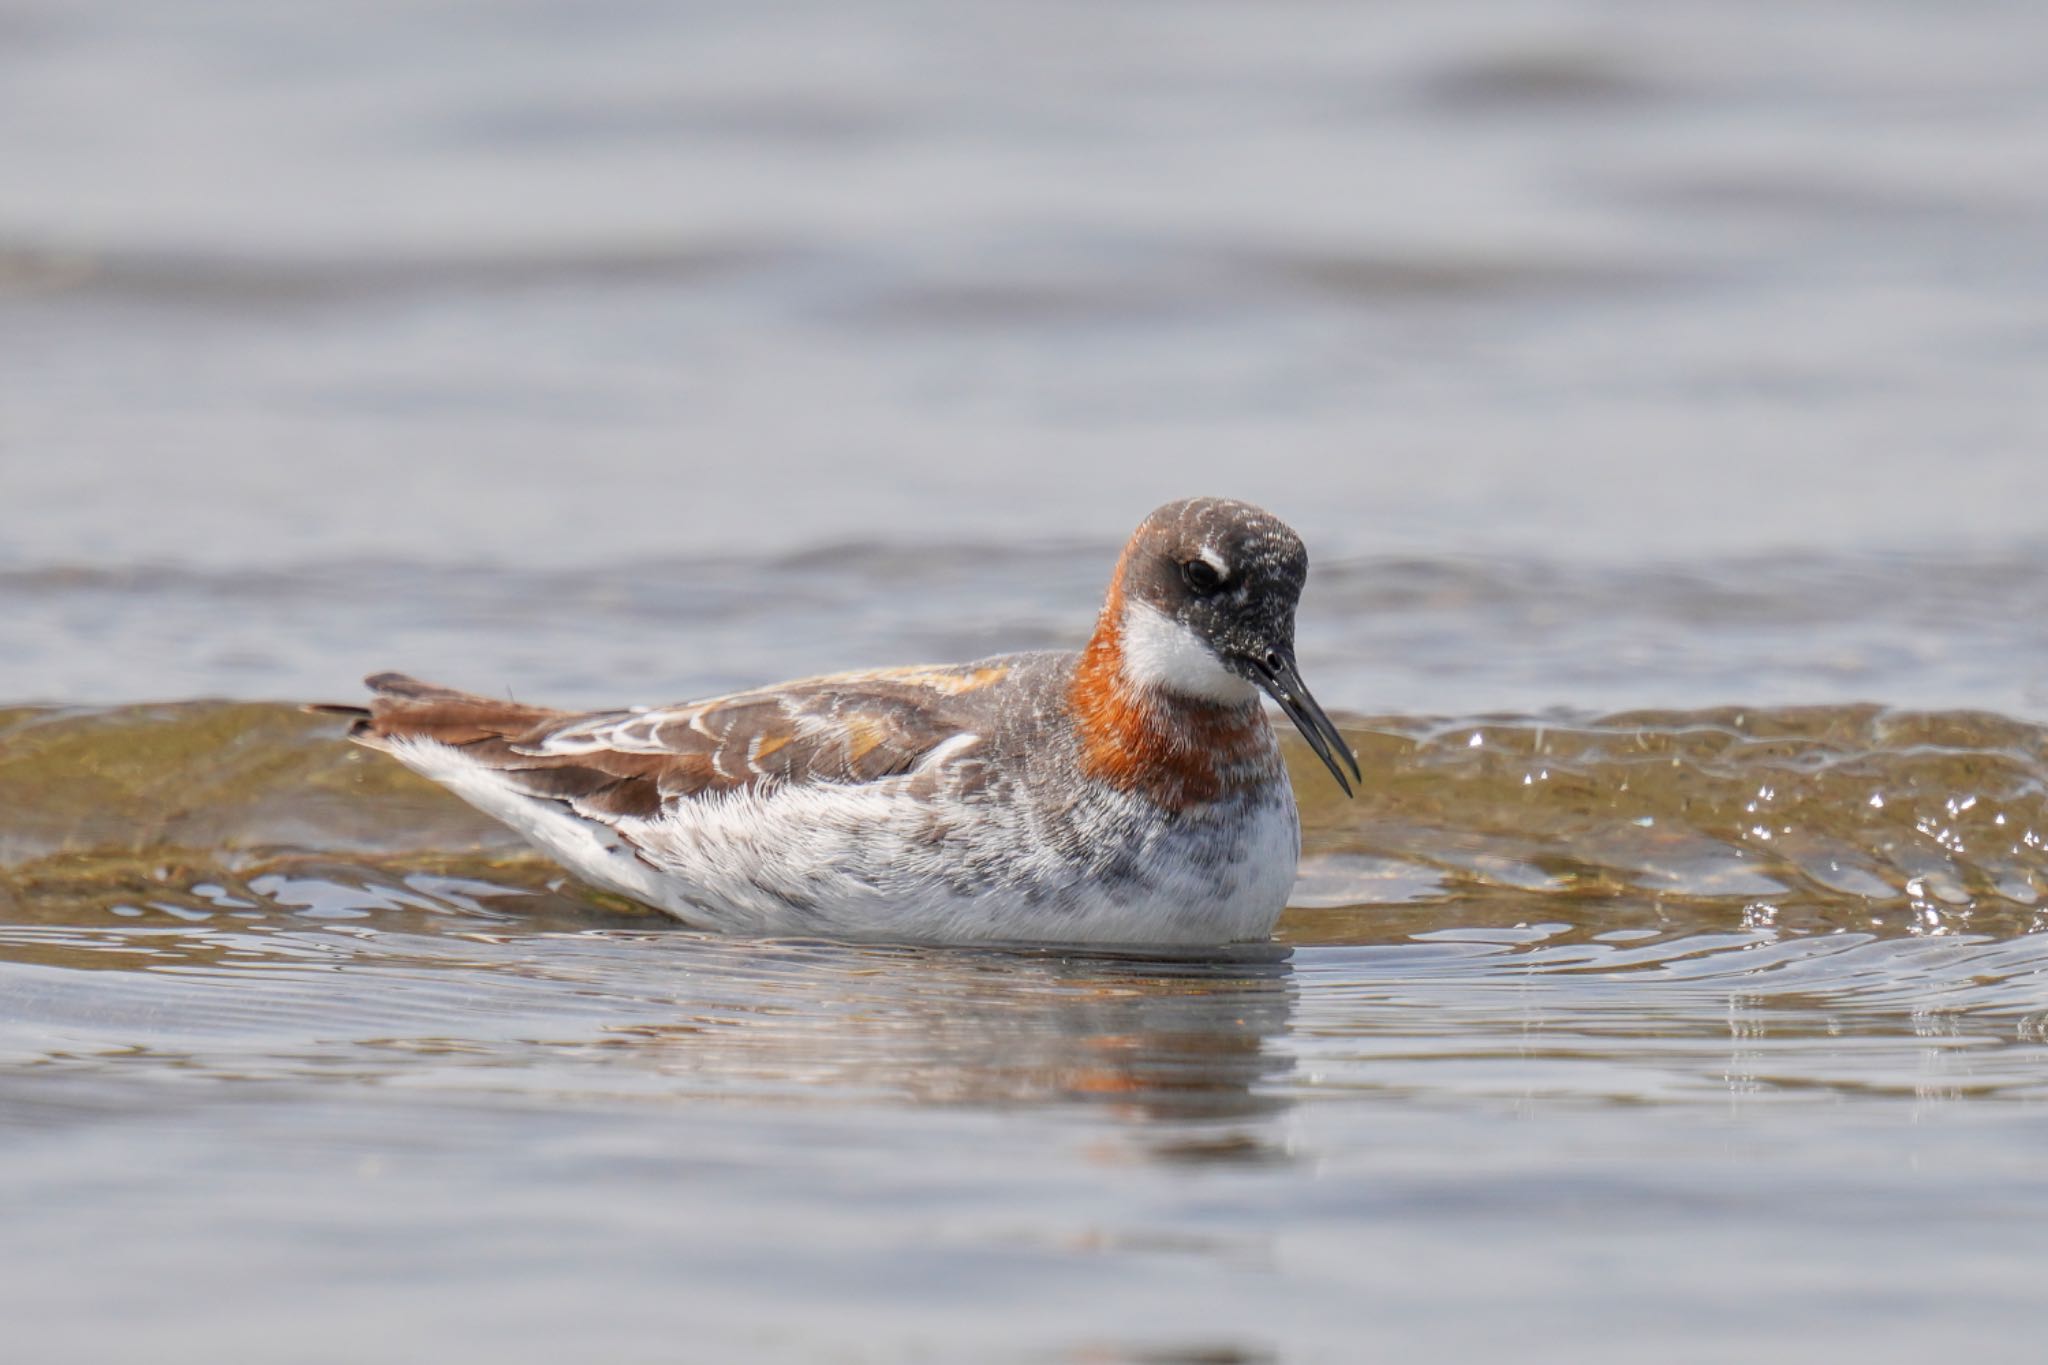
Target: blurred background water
{"type": "Point", "coordinates": [1608, 356]}
{"type": "Point", "coordinates": [322, 309]}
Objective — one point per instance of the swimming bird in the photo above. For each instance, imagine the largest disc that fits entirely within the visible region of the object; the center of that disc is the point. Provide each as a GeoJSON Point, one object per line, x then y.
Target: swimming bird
{"type": "Point", "coordinates": [1130, 792]}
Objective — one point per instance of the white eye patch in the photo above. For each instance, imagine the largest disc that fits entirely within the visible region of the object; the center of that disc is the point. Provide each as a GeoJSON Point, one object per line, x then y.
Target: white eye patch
{"type": "Point", "coordinates": [1216, 562]}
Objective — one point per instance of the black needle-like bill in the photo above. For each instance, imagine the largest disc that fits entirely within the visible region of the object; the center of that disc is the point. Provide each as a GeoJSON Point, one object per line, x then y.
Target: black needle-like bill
{"type": "Point", "coordinates": [1277, 674]}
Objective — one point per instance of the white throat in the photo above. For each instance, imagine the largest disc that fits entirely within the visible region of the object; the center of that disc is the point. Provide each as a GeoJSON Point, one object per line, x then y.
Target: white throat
{"type": "Point", "coordinates": [1160, 652]}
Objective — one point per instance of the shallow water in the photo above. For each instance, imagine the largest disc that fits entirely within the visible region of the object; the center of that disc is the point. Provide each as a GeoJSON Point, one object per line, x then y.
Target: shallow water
{"type": "Point", "coordinates": [1630, 1017]}
{"type": "Point", "coordinates": [1657, 389]}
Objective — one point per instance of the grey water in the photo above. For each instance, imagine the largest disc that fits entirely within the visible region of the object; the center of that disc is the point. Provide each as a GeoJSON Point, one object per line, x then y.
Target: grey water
{"type": "Point", "coordinates": [1658, 390]}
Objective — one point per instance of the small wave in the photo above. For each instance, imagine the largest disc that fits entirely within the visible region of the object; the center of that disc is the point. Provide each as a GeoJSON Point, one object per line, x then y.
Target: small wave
{"type": "Point", "coordinates": [1893, 823]}
{"type": "Point", "coordinates": [1802, 818]}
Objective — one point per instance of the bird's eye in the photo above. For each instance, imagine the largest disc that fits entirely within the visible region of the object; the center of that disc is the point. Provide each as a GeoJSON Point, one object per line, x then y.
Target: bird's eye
{"type": "Point", "coordinates": [1201, 577]}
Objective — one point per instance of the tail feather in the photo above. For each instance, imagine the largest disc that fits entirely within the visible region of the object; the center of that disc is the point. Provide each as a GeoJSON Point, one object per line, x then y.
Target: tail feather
{"type": "Point", "coordinates": [406, 708]}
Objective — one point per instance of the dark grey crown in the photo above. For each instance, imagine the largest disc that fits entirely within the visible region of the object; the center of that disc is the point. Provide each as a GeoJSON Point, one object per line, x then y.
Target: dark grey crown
{"type": "Point", "coordinates": [1228, 571]}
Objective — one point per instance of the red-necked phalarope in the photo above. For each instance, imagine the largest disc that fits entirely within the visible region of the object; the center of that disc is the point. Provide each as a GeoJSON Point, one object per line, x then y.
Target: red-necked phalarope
{"type": "Point", "coordinates": [1130, 793]}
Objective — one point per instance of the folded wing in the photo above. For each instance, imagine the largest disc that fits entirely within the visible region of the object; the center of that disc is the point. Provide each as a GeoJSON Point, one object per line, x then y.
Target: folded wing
{"type": "Point", "coordinates": [848, 728]}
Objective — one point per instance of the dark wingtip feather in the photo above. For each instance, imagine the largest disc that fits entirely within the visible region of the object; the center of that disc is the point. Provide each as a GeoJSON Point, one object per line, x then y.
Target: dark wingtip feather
{"type": "Point", "coordinates": [335, 708]}
{"type": "Point", "coordinates": [402, 685]}
{"type": "Point", "coordinates": [358, 715]}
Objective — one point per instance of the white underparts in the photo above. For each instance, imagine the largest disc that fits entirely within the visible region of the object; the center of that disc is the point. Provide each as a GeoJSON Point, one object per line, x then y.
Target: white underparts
{"type": "Point", "coordinates": [858, 860]}
{"type": "Point", "coordinates": [1161, 652]}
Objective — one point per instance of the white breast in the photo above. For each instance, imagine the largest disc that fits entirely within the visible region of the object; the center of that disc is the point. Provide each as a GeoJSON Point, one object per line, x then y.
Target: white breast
{"type": "Point", "coordinates": [1207, 883]}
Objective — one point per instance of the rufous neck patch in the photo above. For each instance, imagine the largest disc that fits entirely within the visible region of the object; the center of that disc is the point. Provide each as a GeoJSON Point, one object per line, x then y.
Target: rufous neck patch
{"type": "Point", "coordinates": [1178, 751]}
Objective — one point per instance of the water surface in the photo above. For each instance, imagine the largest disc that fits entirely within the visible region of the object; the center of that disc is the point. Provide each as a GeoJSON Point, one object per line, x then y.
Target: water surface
{"type": "Point", "coordinates": [1658, 389]}
{"type": "Point", "coordinates": [1629, 1017]}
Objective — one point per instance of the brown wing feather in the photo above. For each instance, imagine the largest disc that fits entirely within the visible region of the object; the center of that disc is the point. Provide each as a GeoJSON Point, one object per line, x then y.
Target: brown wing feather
{"type": "Point", "coordinates": [846, 729]}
